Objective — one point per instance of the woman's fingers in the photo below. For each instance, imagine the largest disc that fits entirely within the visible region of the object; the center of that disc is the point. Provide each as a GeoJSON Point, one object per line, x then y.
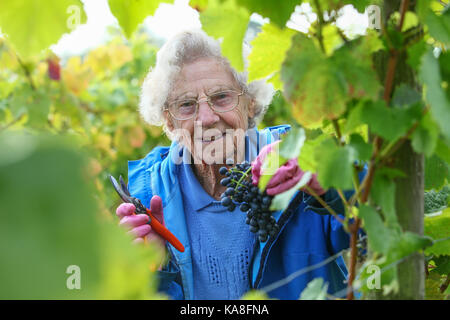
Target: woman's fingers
{"type": "Point", "coordinates": [140, 231]}
{"type": "Point", "coordinates": [133, 221]}
{"type": "Point", "coordinates": [125, 209]}
{"type": "Point", "coordinates": [156, 208]}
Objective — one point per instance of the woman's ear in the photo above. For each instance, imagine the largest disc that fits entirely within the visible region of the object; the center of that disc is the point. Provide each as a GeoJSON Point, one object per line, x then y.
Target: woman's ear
{"type": "Point", "coordinates": [251, 109]}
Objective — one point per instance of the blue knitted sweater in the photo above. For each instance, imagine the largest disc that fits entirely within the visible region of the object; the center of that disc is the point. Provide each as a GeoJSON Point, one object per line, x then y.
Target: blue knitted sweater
{"type": "Point", "coordinates": [221, 242]}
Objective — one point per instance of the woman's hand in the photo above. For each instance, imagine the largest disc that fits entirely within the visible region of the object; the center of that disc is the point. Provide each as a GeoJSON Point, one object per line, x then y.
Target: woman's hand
{"type": "Point", "coordinates": [286, 177]}
{"type": "Point", "coordinates": [137, 224]}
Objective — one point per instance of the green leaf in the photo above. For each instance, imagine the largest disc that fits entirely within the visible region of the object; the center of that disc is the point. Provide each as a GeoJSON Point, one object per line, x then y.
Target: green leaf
{"type": "Point", "coordinates": [406, 244]}
{"type": "Point", "coordinates": [415, 53]}
{"type": "Point", "coordinates": [268, 51]}
{"type": "Point", "coordinates": [443, 150]}
{"type": "Point", "coordinates": [278, 12]}
{"type": "Point", "coordinates": [38, 110]}
{"type": "Point", "coordinates": [436, 172]}
{"type": "Point", "coordinates": [312, 83]}
{"type": "Point", "coordinates": [281, 201]}
{"type": "Point", "coordinates": [307, 160]}
{"type": "Point", "coordinates": [404, 95]}
{"type": "Point", "coordinates": [315, 290]}
{"type": "Point", "coordinates": [440, 105]}
{"type": "Point", "coordinates": [335, 165]}
{"type": "Point", "coordinates": [291, 145]}
{"type": "Point", "coordinates": [34, 25]}
{"type": "Point", "coordinates": [354, 61]}
{"type": "Point", "coordinates": [227, 21]}
{"type": "Point", "coordinates": [389, 123]}
{"type": "Point", "coordinates": [424, 138]}
{"type": "Point", "coordinates": [379, 236]}
{"type": "Point", "coordinates": [438, 227]}
{"type": "Point", "coordinates": [383, 194]}
{"type": "Point", "coordinates": [442, 265]}
{"type": "Point", "coordinates": [270, 165]}
{"type": "Point", "coordinates": [363, 149]}
{"type": "Point", "coordinates": [438, 25]}
{"type": "Point", "coordinates": [131, 13]}
{"type": "Point", "coordinates": [49, 220]}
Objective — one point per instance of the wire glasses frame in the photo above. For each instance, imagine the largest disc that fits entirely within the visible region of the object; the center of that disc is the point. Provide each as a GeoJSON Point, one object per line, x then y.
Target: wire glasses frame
{"type": "Point", "coordinates": [214, 101]}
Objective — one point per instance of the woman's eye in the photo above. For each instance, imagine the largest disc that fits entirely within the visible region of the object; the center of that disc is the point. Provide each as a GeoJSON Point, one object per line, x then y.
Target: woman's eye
{"type": "Point", "coordinates": [221, 97]}
{"type": "Point", "coordinates": [186, 104]}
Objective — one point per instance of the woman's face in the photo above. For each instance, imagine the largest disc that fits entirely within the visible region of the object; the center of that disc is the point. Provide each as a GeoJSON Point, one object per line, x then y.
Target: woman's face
{"type": "Point", "coordinates": [211, 137]}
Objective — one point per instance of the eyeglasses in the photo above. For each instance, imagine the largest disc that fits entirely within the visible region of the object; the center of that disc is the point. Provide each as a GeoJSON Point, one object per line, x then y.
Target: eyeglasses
{"type": "Point", "coordinates": [220, 102]}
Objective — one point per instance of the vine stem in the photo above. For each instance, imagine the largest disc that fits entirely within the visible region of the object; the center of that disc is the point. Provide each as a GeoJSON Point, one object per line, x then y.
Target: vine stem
{"type": "Point", "coordinates": [27, 72]}
{"type": "Point", "coordinates": [319, 31]}
{"type": "Point", "coordinates": [323, 203]}
{"type": "Point", "coordinates": [445, 285]}
{"type": "Point", "coordinates": [368, 180]}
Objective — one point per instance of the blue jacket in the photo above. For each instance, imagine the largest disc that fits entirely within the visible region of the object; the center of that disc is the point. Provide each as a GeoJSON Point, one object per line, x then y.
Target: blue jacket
{"type": "Point", "coordinates": [307, 235]}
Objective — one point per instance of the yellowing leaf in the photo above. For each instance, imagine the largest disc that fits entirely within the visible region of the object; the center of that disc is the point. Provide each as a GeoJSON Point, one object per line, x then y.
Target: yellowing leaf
{"type": "Point", "coordinates": [268, 51]}
{"type": "Point", "coordinates": [76, 75]}
{"type": "Point", "coordinates": [106, 59]}
{"type": "Point", "coordinates": [131, 13]}
{"type": "Point", "coordinates": [227, 21]}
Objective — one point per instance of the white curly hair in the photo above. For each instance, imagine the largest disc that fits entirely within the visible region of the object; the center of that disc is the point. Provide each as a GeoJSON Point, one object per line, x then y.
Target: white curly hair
{"type": "Point", "coordinates": [184, 48]}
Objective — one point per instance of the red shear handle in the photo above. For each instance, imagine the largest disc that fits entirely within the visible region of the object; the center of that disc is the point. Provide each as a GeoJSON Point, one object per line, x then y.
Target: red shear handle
{"type": "Point", "coordinates": [164, 232]}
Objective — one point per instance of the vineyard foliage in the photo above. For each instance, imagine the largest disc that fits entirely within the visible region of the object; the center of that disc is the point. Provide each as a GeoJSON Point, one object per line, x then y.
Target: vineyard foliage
{"type": "Point", "coordinates": [66, 124]}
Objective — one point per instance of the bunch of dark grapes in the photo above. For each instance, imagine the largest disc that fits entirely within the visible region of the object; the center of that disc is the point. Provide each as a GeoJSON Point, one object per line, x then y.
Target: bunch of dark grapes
{"type": "Point", "coordinates": [361, 245]}
{"type": "Point", "coordinates": [241, 191]}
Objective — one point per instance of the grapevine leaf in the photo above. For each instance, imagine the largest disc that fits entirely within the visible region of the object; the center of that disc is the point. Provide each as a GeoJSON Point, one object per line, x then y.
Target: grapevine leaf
{"type": "Point", "coordinates": [383, 194]}
{"type": "Point", "coordinates": [131, 13]}
{"type": "Point", "coordinates": [227, 21]}
{"type": "Point", "coordinates": [313, 84]}
{"type": "Point", "coordinates": [355, 62]}
{"type": "Point", "coordinates": [415, 53]}
{"type": "Point", "coordinates": [270, 165]}
{"type": "Point", "coordinates": [404, 95]}
{"type": "Point", "coordinates": [33, 25]}
{"type": "Point", "coordinates": [438, 25]}
{"type": "Point", "coordinates": [425, 137]}
{"type": "Point", "coordinates": [47, 233]}
{"type": "Point", "coordinates": [268, 51]}
{"type": "Point", "coordinates": [278, 12]}
{"type": "Point", "coordinates": [38, 110]}
{"type": "Point", "coordinates": [407, 243]}
{"type": "Point", "coordinates": [436, 172]}
{"type": "Point", "coordinates": [443, 150]}
{"type": "Point", "coordinates": [363, 149]}
{"type": "Point", "coordinates": [307, 160]}
{"type": "Point", "coordinates": [315, 290]}
{"type": "Point", "coordinates": [334, 165]}
{"type": "Point", "coordinates": [281, 201]}
{"type": "Point", "coordinates": [442, 264]}
{"type": "Point", "coordinates": [379, 236]}
{"type": "Point", "coordinates": [389, 123]}
{"type": "Point", "coordinates": [440, 106]}
{"type": "Point", "coordinates": [292, 143]}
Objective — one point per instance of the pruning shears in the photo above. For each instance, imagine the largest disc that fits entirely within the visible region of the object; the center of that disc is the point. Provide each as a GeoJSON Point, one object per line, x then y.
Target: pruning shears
{"type": "Point", "coordinates": [123, 192]}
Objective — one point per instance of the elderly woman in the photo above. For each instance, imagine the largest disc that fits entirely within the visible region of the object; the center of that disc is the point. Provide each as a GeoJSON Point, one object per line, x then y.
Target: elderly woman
{"type": "Point", "coordinates": [210, 113]}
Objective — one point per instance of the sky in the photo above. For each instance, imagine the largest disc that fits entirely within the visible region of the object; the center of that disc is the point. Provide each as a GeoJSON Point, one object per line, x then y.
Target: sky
{"type": "Point", "coordinates": [172, 18]}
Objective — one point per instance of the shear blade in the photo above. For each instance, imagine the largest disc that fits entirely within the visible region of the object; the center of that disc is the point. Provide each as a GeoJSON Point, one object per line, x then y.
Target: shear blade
{"type": "Point", "coordinates": [120, 192]}
{"type": "Point", "coordinates": [124, 186]}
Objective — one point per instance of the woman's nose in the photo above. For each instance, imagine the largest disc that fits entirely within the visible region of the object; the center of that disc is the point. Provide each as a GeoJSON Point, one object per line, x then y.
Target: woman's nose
{"type": "Point", "coordinates": [206, 114]}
